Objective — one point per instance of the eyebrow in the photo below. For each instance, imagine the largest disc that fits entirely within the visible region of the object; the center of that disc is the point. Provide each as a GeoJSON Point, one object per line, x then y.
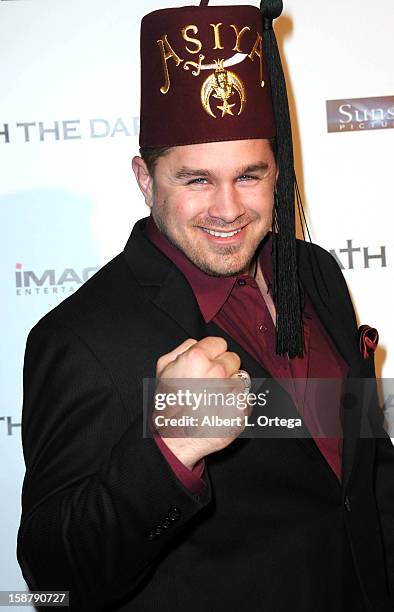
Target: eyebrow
{"type": "Point", "coordinates": [185, 172]}
{"type": "Point", "coordinates": [259, 167]}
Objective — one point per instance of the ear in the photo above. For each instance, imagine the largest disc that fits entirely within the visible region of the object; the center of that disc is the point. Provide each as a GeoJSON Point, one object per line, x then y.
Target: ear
{"type": "Point", "coordinates": [144, 179]}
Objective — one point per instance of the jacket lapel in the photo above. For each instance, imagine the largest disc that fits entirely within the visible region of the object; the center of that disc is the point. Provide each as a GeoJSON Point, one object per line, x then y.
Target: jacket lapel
{"type": "Point", "coordinates": [343, 339]}
{"type": "Point", "coordinates": [165, 285]}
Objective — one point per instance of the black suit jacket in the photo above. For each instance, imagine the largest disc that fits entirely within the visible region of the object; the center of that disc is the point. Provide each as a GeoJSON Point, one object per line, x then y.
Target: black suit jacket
{"type": "Point", "coordinates": [104, 515]}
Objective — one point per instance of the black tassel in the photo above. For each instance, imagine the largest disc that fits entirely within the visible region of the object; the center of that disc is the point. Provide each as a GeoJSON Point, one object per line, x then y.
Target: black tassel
{"type": "Point", "coordinates": [286, 287]}
{"type": "Point", "coordinates": [317, 274]}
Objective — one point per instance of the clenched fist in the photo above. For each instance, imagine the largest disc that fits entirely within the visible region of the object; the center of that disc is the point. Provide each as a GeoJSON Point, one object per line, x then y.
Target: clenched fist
{"type": "Point", "coordinates": [207, 358]}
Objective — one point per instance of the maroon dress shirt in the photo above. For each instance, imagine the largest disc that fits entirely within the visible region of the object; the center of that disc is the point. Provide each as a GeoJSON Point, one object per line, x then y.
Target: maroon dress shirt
{"type": "Point", "coordinates": [237, 306]}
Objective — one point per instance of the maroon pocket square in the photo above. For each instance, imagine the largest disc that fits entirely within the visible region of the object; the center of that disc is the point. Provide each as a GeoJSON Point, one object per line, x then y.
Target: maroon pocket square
{"type": "Point", "coordinates": [369, 338]}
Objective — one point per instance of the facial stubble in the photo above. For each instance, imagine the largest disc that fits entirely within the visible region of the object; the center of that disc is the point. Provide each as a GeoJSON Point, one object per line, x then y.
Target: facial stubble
{"type": "Point", "coordinates": [194, 254]}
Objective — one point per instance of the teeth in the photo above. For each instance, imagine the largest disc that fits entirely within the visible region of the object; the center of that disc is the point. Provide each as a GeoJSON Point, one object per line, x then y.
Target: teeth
{"type": "Point", "coordinates": [221, 234]}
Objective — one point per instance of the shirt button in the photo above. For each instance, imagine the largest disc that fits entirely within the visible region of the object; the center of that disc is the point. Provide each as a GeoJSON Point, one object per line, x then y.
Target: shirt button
{"type": "Point", "coordinates": [347, 504]}
{"type": "Point", "coordinates": [262, 328]}
{"type": "Point", "coordinates": [241, 281]}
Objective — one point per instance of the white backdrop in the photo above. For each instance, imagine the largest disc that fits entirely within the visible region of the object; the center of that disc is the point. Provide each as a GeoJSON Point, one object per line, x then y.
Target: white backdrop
{"type": "Point", "coordinates": [69, 106]}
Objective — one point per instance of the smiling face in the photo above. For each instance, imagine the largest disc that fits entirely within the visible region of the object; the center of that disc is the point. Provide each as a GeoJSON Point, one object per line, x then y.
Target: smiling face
{"type": "Point", "coordinates": [213, 201]}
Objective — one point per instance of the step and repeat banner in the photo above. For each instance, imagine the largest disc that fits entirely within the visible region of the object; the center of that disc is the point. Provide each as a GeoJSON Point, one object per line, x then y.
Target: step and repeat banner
{"type": "Point", "coordinates": [69, 106]}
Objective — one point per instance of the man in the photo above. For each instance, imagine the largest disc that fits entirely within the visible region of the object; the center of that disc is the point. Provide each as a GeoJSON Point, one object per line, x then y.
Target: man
{"type": "Point", "coordinates": [202, 290]}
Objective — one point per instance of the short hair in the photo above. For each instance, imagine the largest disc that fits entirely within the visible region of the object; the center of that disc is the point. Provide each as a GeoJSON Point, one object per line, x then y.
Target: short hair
{"type": "Point", "coordinates": [150, 155]}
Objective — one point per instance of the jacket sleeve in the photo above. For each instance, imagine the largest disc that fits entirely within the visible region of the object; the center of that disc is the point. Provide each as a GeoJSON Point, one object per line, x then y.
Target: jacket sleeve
{"type": "Point", "coordinates": [384, 478]}
{"type": "Point", "coordinates": [384, 485]}
{"type": "Point", "coordinates": [100, 503]}
{"type": "Point", "coordinates": [384, 456]}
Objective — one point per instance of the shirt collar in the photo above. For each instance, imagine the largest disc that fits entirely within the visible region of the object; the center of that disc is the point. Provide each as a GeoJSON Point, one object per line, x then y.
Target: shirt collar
{"type": "Point", "coordinates": [211, 292]}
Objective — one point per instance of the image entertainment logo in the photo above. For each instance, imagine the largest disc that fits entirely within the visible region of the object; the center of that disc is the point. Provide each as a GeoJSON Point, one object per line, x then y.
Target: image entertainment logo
{"type": "Point", "coordinates": [31, 282]}
{"type": "Point", "coordinates": [358, 114]}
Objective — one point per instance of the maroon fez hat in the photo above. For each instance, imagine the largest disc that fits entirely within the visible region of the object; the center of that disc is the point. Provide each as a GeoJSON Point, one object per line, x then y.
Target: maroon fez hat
{"type": "Point", "coordinates": [203, 76]}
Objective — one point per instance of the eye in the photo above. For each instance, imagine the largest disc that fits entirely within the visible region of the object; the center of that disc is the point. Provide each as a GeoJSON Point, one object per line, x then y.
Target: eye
{"type": "Point", "coordinates": [197, 181]}
{"type": "Point", "coordinates": [247, 177]}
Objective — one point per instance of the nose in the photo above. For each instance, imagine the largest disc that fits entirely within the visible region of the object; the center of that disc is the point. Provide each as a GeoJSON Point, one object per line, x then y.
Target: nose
{"type": "Point", "coordinates": [226, 203]}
